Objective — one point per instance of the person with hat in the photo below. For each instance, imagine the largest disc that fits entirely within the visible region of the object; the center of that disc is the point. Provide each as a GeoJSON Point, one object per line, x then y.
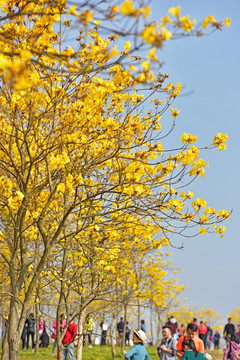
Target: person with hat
{"type": "Point", "coordinates": [138, 351]}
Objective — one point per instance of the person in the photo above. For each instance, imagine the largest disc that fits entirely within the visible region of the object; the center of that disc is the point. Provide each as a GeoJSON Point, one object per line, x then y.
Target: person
{"type": "Point", "coordinates": [120, 328]}
{"type": "Point", "coordinates": [63, 323]}
{"type": "Point", "coordinates": [216, 340]}
{"type": "Point", "coordinates": [104, 328]}
{"type": "Point", "coordinates": [138, 351]}
{"type": "Point", "coordinates": [202, 331]}
{"type": "Point", "coordinates": [167, 349]}
{"type": "Point", "coordinates": [232, 350]}
{"type": "Point", "coordinates": [229, 329]}
{"type": "Point", "coordinates": [44, 339]}
{"type": "Point", "coordinates": [190, 351]}
{"type": "Point", "coordinates": [172, 322]}
{"type": "Point", "coordinates": [89, 326]}
{"type": "Point", "coordinates": [191, 334]}
{"type": "Point", "coordinates": [30, 327]}
{"type": "Point", "coordinates": [181, 330]}
{"type": "Point", "coordinates": [143, 325]}
{"type": "Point", "coordinates": [24, 335]}
{"type": "Point", "coordinates": [238, 331]}
{"type": "Point", "coordinates": [128, 332]}
{"type": "Point", "coordinates": [195, 322]}
{"type": "Point", "coordinates": [209, 336]}
{"type": "Point", "coordinates": [41, 325]}
{"type": "Point", "coordinates": [68, 339]}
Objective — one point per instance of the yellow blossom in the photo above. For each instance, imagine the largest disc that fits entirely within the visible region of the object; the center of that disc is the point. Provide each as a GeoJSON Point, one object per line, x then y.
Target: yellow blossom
{"type": "Point", "coordinates": [175, 11]}
{"type": "Point", "coordinates": [189, 138]}
{"type": "Point", "coordinates": [227, 21]}
{"type": "Point", "coordinates": [175, 112]}
{"type": "Point", "coordinates": [127, 46]}
{"type": "Point", "coordinates": [202, 230]}
{"type": "Point", "coordinates": [127, 8]}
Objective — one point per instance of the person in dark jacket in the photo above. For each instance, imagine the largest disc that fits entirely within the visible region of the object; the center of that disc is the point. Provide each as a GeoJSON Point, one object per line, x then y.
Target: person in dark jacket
{"type": "Point", "coordinates": [120, 328]}
{"type": "Point", "coordinates": [216, 340]}
{"type": "Point", "coordinates": [30, 326]}
{"type": "Point", "coordinates": [24, 335]}
{"type": "Point", "coordinates": [44, 339]}
{"type": "Point", "coordinates": [229, 329]}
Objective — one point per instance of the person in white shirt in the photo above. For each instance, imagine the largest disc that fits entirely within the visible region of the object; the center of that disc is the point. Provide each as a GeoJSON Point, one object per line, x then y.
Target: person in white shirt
{"type": "Point", "coordinates": [104, 328]}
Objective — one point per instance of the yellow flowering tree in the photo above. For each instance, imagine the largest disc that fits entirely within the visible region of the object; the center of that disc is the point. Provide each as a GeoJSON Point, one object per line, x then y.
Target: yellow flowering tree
{"type": "Point", "coordinates": [83, 170]}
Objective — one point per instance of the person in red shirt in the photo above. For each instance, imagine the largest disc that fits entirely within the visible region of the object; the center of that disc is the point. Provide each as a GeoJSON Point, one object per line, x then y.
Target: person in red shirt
{"type": "Point", "coordinates": [238, 332]}
{"type": "Point", "coordinates": [191, 334]}
{"type": "Point", "coordinates": [181, 330]}
{"type": "Point", "coordinates": [195, 322]}
{"type": "Point", "coordinates": [202, 331]}
{"type": "Point", "coordinates": [68, 341]}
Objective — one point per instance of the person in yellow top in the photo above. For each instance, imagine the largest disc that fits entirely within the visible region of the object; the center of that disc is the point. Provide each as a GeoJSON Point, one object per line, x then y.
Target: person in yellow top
{"type": "Point", "coordinates": [89, 326]}
{"type": "Point", "coordinates": [191, 334]}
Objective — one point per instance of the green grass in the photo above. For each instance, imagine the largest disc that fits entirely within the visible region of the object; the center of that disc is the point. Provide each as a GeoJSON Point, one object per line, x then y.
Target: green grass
{"type": "Point", "coordinates": [100, 353]}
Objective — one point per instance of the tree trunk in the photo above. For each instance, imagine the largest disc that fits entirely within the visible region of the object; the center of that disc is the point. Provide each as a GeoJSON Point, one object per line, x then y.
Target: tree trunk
{"type": "Point", "coordinates": [37, 328]}
{"type": "Point", "coordinates": [5, 347]}
{"type": "Point", "coordinates": [111, 330]}
{"type": "Point", "coordinates": [81, 322]}
{"type": "Point", "coordinates": [139, 314]}
{"type": "Point", "coordinates": [158, 326]}
{"type": "Point", "coordinates": [151, 322]}
{"type": "Point", "coordinates": [124, 328]}
{"type": "Point", "coordinates": [13, 335]}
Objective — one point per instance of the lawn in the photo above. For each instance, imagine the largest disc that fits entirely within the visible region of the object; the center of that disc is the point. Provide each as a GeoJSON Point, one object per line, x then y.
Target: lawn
{"type": "Point", "coordinates": [100, 353]}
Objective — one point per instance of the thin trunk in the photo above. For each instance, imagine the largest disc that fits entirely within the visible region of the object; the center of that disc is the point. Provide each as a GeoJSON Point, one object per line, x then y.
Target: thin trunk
{"type": "Point", "coordinates": [139, 314]}
{"type": "Point", "coordinates": [111, 330]}
{"type": "Point", "coordinates": [124, 328]}
{"type": "Point", "coordinates": [5, 347]}
{"type": "Point", "coordinates": [37, 328]}
{"type": "Point", "coordinates": [151, 321]}
{"type": "Point", "coordinates": [81, 322]}
{"type": "Point", "coordinates": [158, 326]}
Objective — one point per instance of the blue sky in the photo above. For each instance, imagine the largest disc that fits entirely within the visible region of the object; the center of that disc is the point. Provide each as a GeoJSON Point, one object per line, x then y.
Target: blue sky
{"type": "Point", "coordinates": [209, 68]}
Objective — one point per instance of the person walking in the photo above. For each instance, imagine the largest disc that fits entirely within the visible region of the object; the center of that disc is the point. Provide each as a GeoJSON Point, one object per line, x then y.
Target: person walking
{"type": "Point", "coordinates": [120, 328]}
{"type": "Point", "coordinates": [30, 327]}
{"type": "Point", "coordinates": [229, 329]}
{"type": "Point", "coordinates": [89, 327]}
{"type": "Point", "coordinates": [128, 332]}
{"type": "Point", "coordinates": [63, 323]}
{"type": "Point", "coordinates": [167, 349]}
{"type": "Point", "coordinates": [68, 339]}
{"type": "Point", "coordinates": [138, 351]}
{"type": "Point", "coordinates": [202, 331]}
{"type": "Point", "coordinates": [216, 340]}
{"type": "Point", "coordinates": [172, 322]}
{"type": "Point", "coordinates": [24, 335]}
{"type": "Point", "coordinates": [104, 328]}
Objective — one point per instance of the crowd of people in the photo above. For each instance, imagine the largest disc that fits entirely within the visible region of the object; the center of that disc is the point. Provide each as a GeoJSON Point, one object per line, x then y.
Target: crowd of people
{"type": "Point", "coordinates": [186, 343]}
{"type": "Point", "coordinates": [67, 341]}
{"type": "Point", "coordinates": [189, 343]}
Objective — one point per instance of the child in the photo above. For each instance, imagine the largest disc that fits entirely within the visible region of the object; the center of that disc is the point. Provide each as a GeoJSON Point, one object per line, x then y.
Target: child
{"type": "Point", "coordinates": [190, 351]}
{"type": "Point", "coordinates": [138, 351]}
